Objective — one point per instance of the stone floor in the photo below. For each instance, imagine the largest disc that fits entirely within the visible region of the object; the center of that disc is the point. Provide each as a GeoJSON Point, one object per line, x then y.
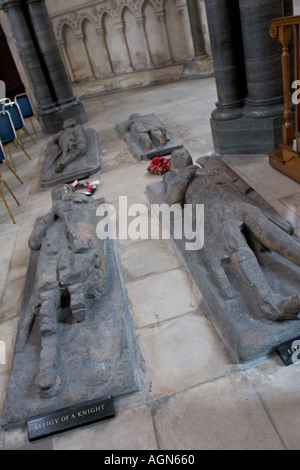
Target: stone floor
{"type": "Point", "coordinates": [192, 395]}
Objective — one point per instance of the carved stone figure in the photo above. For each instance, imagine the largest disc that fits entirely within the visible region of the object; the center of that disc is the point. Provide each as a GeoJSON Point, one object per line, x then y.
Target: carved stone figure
{"type": "Point", "coordinates": [70, 144]}
{"type": "Point", "coordinates": [147, 136]}
{"type": "Point", "coordinates": [71, 270]}
{"type": "Point", "coordinates": [72, 154]}
{"type": "Point", "coordinates": [241, 219]}
{"type": "Point", "coordinates": [74, 340]}
{"type": "Point", "coordinates": [147, 131]}
{"type": "Point", "coordinates": [249, 268]}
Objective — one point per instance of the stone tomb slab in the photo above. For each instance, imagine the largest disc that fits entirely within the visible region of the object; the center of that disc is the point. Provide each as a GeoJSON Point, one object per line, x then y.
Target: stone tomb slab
{"type": "Point", "coordinates": [96, 356]}
{"type": "Point", "coordinates": [82, 168]}
{"type": "Point", "coordinates": [246, 336]}
{"type": "Point", "coordinates": [138, 147]}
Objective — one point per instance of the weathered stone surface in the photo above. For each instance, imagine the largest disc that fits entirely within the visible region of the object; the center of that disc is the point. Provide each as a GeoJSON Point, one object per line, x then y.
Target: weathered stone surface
{"type": "Point", "coordinates": [249, 268]}
{"type": "Point", "coordinates": [219, 415]}
{"type": "Point", "coordinates": [74, 153]}
{"type": "Point", "coordinates": [147, 136]}
{"type": "Point", "coordinates": [73, 341]}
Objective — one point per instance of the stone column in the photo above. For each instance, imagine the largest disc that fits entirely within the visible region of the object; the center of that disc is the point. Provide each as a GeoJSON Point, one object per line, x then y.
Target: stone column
{"type": "Point", "coordinates": [262, 58]}
{"type": "Point", "coordinates": [101, 34]}
{"type": "Point", "coordinates": [183, 10]}
{"type": "Point", "coordinates": [84, 51]}
{"type": "Point", "coordinates": [196, 28]}
{"type": "Point", "coordinates": [49, 48]}
{"type": "Point", "coordinates": [161, 16]}
{"type": "Point", "coordinates": [29, 56]}
{"type": "Point", "coordinates": [66, 60]}
{"type": "Point", "coordinates": [141, 25]}
{"type": "Point", "coordinates": [42, 58]}
{"type": "Point", "coordinates": [226, 43]}
{"type": "Point", "coordinates": [121, 30]}
{"type": "Point", "coordinates": [256, 127]}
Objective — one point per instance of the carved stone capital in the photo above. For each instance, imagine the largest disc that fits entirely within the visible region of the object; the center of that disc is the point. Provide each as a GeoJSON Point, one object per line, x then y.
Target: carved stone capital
{"type": "Point", "coordinates": [120, 27]}
{"type": "Point", "coordinates": [161, 16]}
{"type": "Point", "coordinates": [80, 37]}
{"type": "Point", "coordinates": [140, 21]}
{"type": "Point", "coordinates": [100, 32]}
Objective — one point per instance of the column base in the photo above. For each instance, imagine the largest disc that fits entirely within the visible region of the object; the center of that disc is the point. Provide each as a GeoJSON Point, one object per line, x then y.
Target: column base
{"type": "Point", "coordinates": [52, 122]}
{"type": "Point", "coordinates": [246, 135]}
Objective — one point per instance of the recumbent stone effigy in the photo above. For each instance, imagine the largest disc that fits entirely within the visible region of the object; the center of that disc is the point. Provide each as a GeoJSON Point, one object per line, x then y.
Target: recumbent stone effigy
{"type": "Point", "coordinates": [248, 270]}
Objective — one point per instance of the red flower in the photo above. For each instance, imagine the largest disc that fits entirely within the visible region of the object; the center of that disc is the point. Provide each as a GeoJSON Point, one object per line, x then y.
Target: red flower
{"type": "Point", "coordinates": [159, 166]}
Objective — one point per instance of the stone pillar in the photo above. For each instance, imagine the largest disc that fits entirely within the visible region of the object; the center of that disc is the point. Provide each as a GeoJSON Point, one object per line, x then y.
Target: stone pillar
{"type": "Point", "coordinates": [161, 16]}
{"type": "Point", "coordinates": [256, 127]}
{"type": "Point", "coordinates": [121, 30]}
{"type": "Point", "coordinates": [41, 56]}
{"type": "Point", "coordinates": [85, 54]}
{"type": "Point", "coordinates": [101, 35]}
{"type": "Point", "coordinates": [49, 48]}
{"type": "Point", "coordinates": [226, 43]}
{"type": "Point", "coordinates": [66, 60]}
{"type": "Point", "coordinates": [141, 25]}
{"type": "Point", "coordinates": [183, 10]}
{"type": "Point", "coordinates": [196, 28]}
{"type": "Point", "coordinates": [262, 58]}
{"type": "Point", "coordinates": [29, 56]}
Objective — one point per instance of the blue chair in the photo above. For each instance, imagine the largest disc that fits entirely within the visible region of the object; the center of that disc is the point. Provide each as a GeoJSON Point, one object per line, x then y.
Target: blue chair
{"type": "Point", "coordinates": [26, 108]}
{"type": "Point", "coordinates": [2, 181]}
{"type": "Point", "coordinates": [3, 161]}
{"type": "Point", "coordinates": [8, 135]}
{"type": "Point", "coordinates": [4, 101]}
{"type": "Point", "coordinates": [17, 119]}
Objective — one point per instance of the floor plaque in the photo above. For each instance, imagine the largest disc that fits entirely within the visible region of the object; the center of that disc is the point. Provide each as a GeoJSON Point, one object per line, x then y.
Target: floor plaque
{"type": "Point", "coordinates": [69, 418]}
{"type": "Point", "coordinates": [289, 351]}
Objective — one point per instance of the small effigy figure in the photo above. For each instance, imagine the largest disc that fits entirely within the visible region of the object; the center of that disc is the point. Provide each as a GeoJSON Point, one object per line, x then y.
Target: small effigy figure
{"type": "Point", "coordinates": [147, 131]}
{"type": "Point", "coordinates": [70, 144]}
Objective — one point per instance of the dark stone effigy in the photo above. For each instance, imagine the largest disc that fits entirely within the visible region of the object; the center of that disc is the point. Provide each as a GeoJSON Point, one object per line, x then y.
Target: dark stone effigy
{"type": "Point", "coordinates": [74, 340]}
{"type": "Point", "coordinates": [73, 154]}
{"type": "Point", "coordinates": [147, 137]}
{"type": "Point", "coordinates": [248, 270]}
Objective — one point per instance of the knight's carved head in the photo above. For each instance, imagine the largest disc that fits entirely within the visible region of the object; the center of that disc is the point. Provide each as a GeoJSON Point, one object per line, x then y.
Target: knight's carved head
{"type": "Point", "coordinates": [69, 123]}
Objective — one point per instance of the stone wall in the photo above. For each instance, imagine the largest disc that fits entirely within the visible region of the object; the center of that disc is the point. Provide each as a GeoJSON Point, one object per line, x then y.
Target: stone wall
{"type": "Point", "coordinates": [113, 44]}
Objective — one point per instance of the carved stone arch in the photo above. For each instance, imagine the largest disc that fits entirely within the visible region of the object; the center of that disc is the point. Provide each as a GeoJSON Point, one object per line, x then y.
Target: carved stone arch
{"type": "Point", "coordinates": [123, 9]}
{"type": "Point", "coordinates": [135, 39]}
{"type": "Point", "coordinates": [103, 15]}
{"type": "Point", "coordinates": [89, 17]}
{"type": "Point", "coordinates": [116, 43]}
{"type": "Point", "coordinates": [175, 30]}
{"type": "Point", "coordinates": [74, 50]}
{"type": "Point", "coordinates": [60, 26]}
{"type": "Point", "coordinates": [95, 47]}
{"type": "Point", "coordinates": [155, 29]}
{"type": "Point", "coordinates": [144, 4]}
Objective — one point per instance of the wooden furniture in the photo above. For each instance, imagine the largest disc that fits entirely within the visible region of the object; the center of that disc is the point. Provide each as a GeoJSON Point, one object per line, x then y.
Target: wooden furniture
{"type": "Point", "coordinates": [286, 159]}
